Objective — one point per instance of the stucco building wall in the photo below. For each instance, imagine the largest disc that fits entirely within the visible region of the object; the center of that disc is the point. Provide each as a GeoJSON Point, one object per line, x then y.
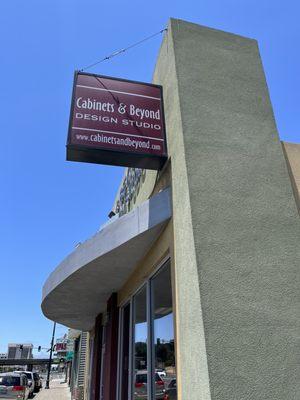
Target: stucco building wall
{"type": "Point", "coordinates": [236, 226]}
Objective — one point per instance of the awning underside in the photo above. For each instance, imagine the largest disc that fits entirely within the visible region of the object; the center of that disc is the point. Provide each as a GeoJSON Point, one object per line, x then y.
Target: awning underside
{"type": "Point", "coordinates": [77, 291]}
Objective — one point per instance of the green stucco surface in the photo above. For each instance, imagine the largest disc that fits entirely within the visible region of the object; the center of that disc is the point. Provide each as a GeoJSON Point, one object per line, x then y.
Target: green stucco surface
{"type": "Point", "coordinates": [236, 225]}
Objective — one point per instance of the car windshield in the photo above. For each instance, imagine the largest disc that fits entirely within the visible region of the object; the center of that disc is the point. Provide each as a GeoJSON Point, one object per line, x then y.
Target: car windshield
{"type": "Point", "coordinates": [28, 374]}
{"type": "Point", "coordinates": [141, 378]}
{"type": "Point", "coordinates": [10, 380]}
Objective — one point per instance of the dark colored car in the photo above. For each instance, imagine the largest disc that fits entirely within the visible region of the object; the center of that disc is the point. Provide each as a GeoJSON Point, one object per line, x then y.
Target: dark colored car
{"type": "Point", "coordinates": [171, 392]}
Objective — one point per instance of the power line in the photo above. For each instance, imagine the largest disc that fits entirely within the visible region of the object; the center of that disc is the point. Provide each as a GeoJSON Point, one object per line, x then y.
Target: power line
{"type": "Point", "coordinates": [116, 53]}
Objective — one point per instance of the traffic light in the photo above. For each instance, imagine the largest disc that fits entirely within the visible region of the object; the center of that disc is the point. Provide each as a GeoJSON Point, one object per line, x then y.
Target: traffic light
{"type": "Point", "coordinates": [39, 348]}
{"type": "Point", "coordinates": [21, 347]}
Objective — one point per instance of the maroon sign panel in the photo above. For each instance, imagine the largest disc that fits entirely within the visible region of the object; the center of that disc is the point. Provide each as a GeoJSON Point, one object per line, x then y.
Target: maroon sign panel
{"type": "Point", "coordinates": [116, 122]}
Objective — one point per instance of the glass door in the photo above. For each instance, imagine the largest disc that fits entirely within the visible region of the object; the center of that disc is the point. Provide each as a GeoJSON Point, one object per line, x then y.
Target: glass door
{"type": "Point", "coordinates": [163, 349]}
{"type": "Point", "coordinates": [140, 346]}
{"type": "Point", "coordinates": [147, 368]}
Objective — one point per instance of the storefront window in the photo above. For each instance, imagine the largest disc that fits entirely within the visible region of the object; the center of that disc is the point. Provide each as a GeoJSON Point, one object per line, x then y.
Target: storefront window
{"type": "Point", "coordinates": [147, 361]}
{"type": "Point", "coordinates": [140, 345]}
{"type": "Point", "coordinates": [163, 333]}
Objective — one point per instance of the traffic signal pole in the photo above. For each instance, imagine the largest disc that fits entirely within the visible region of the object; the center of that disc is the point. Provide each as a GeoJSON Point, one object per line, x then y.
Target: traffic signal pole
{"type": "Point", "coordinates": [50, 357]}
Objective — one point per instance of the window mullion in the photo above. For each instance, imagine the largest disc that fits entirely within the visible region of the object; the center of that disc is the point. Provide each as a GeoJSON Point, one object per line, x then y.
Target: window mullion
{"type": "Point", "coordinates": [120, 352]}
{"type": "Point", "coordinates": [150, 347]}
{"type": "Point", "coordinates": [131, 350]}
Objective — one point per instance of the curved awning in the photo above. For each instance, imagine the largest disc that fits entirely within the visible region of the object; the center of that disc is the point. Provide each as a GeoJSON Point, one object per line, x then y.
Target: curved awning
{"type": "Point", "coordinates": [78, 289]}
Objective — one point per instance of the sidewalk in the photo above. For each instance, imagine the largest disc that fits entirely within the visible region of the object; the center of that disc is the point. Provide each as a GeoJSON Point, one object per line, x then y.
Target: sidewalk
{"type": "Point", "coordinates": [57, 391]}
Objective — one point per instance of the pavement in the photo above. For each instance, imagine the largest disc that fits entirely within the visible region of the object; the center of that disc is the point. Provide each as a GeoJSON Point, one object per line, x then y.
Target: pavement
{"type": "Point", "coordinates": [57, 391]}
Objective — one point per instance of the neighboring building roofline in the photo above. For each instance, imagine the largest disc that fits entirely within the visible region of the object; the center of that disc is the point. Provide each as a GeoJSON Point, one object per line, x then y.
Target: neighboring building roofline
{"type": "Point", "coordinates": [291, 152]}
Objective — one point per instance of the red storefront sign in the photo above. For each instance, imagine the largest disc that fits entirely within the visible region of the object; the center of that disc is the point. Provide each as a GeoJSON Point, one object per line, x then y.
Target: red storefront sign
{"type": "Point", "coordinates": [116, 122]}
{"type": "Point", "coordinates": [61, 347]}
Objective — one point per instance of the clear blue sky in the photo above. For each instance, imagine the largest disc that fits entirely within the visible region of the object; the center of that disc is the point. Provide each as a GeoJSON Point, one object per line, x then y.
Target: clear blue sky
{"type": "Point", "coordinates": [48, 205]}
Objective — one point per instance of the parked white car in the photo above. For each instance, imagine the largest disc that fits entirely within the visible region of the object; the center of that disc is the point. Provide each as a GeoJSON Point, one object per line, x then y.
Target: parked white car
{"type": "Point", "coordinates": [30, 378]}
{"type": "Point", "coordinates": [13, 386]}
{"type": "Point", "coordinates": [161, 372]}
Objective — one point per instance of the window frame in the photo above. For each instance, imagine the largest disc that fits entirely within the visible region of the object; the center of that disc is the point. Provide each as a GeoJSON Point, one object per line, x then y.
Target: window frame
{"type": "Point", "coordinates": [147, 283]}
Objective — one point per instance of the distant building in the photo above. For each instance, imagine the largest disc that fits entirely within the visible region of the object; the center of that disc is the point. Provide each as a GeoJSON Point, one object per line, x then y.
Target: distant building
{"type": "Point", "coordinates": [292, 153]}
{"type": "Point", "coordinates": [20, 350]}
{"type": "Point", "coordinates": [3, 356]}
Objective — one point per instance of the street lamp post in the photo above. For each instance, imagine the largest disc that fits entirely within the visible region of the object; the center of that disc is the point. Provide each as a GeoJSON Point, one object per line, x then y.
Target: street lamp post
{"type": "Point", "coordinates": [50, 357]}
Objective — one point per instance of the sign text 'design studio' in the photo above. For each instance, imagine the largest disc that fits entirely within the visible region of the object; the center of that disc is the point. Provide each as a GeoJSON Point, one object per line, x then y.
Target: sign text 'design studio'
{"type": "Point", "coordinates": [116, 122]}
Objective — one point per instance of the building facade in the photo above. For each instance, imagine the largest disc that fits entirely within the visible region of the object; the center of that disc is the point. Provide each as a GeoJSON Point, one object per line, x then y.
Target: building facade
{"type": "Point", "coordinates": [20, 350]}
{"type": "Point", "coordinates": [190, 291]}
{"type": "Point", "coordinates": [78, 367]}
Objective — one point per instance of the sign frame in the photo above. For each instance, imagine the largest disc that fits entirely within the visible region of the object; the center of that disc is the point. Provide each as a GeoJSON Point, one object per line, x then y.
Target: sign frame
{"type": "Point", "coordinates": [81, 153]}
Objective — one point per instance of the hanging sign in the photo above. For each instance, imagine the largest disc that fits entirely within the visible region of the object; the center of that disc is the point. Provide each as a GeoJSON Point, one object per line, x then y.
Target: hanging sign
{"type": "Point", "coordinates": [116, 122]}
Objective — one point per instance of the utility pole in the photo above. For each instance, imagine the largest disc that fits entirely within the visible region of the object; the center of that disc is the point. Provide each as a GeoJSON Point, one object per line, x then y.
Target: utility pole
{"type": "Point", "coordinates": [50, 357]}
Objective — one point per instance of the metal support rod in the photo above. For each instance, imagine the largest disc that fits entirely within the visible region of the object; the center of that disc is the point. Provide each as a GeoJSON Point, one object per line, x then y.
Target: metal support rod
{"type": "Point", "coordinates": [50, 357]}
